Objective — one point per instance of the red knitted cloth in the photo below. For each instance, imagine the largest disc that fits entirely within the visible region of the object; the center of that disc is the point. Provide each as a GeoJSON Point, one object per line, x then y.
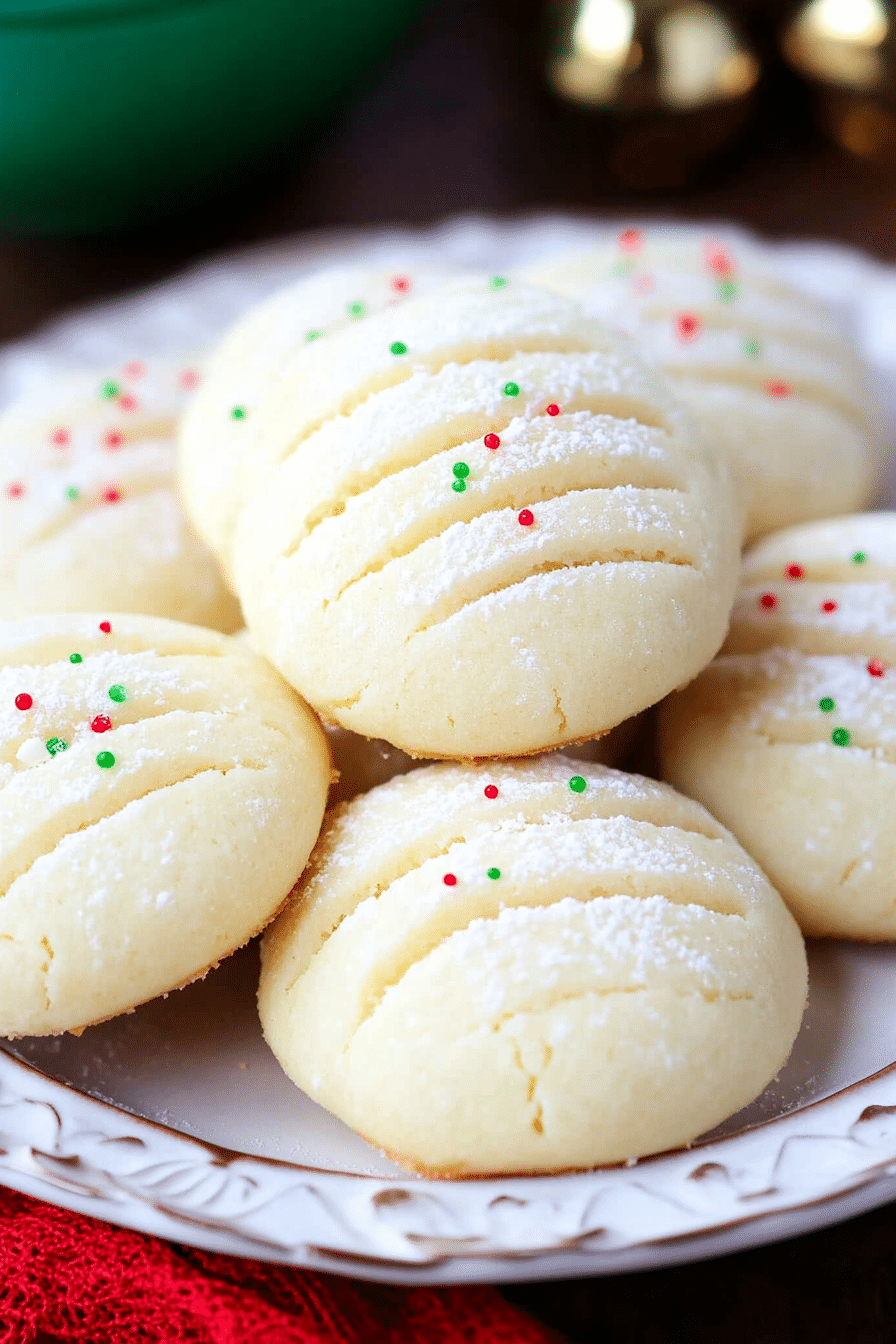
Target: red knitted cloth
{"type": "Point", "coordinates": [64, 1277]}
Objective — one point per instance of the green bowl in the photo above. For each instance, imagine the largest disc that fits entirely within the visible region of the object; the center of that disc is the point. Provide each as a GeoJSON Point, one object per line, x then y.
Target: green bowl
{"type": "Point", "coordinates": [117, 114]}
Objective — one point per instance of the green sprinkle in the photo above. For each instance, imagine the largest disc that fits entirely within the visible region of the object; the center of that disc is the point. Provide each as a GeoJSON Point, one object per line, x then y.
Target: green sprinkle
{"type": "Point", "coordinates": [55, 745]}
{"type": "Point", "coordinates": [72, 493]}
{"type": "Point", "coordinates": [313, 335]}
{"type": "Point", "coordinates": [840, 737]}
{"type": "Point", "coordinates": [859, 557]}
{"type": "Point", "coordinates": [461, 470]}
{"type": "Point", "coordinates": [826, 704]}
{"type": "Point", "coordinates": [109, 390]}
{"type": "Point", "coordinates": [577, 784]}
{"type": "Point", "coordinates": [726, 291]}
{"type": "Point", "coordinates": [75, 658]}
{"type": "Point", "coordinates": [238, 413]}
{"type": "Point", "coordinates": [497, 282]}
{"type": "Point", "coordinates": [752, 347]}
{"type": "Point", "coordinates": [459, 486]}
{"type": "Point", "coordinates": [398, 348]}
{"type": "Point", "coordinates": [624, 266]}
{"type": "Point", "coordinates": [494, 873]}
{"type": "Point", "coordinates": [118, 694]}
{"type": "Point", "coordinates": [357, 309]}
{"type": "Point", "coordinates": [105, 760]}
{"type": "Point", "coordinates": [511, 389]}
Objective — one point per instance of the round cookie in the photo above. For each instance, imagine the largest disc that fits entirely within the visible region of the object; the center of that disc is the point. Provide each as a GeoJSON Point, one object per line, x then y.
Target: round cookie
{"type": "Point", "coordinates": [789, 737]}
{"type": "Point", "coordinates": [220, 452]}
{"type": "Point", "coordinates": [516, 968]}
{"type": "Point", "coordinates": [491, 531]}
{"type": "Point", "coordinates": [89, 518]}
{"type": "Point", "coordinates": [160, 792]}
{"type": "Point", "coordinates": [764, 367]}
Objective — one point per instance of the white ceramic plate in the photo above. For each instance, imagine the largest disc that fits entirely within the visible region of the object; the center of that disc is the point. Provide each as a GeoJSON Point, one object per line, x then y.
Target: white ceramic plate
{"type": "Point", "coordinates": [177, 1120]}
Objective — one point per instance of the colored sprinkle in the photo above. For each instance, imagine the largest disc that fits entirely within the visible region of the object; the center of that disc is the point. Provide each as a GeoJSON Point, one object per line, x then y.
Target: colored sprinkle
{"type": "Point", "coordinates": [134, 369]}
{"type": "Point", "coordinates": [768, 600]}
{"type": "Point", "coordinates": [525, 517]}
{"type": "Point", "coordinates": [875, 668]}
{"type": "Point", "coordinates": [718, 259]}
{"type": "Point", "coordinates": [189, 379]}
{"type": "Point", "coordinates": [23, 701]}
{"type": "Point", "coordinates": [752, 347]}
{"type": "Point", "coordinates": [312, 335]}
{"type": "Point", "coordinates": [72, 493]}
{"type": "Point", "coordinates": [859, 557]}
{"type": "Point", "coordinates": [840, 737]}
{"type": "Point", "coordinates": [553, 409]}
{"type": "Point", "coordinates": [492, 441]}
{"type": "Point", "coordinates": [357, 309]}
{"type": "Point", "coordinates": [459, 486]}
{"type": "Point", "coordinates": [511, 389]}
{"type": "Point", "coordinates": [494, 873]}
{"type": "Point", "coordinates": [687, 326]}
{"type": "Point", "coordinates": [624, 266]}
{"type": "Point", "coordinates": [101, 724]}
{"type": "Point", "coordinates": [644, 282]}
{"type": "Point", "coordinates": [111, 496]}
{"type": "Point", "coordinates": [795, 571]}
{"type": "Point", "coordinates": [630, 240]}
{"type": "Point", "coordinates": [497, 282]}
{"type": "Point", "coordinates": [109, 390]}
{"type": "Point", "coordinates": [55, 745]}
{"type": "Point", "coordinates": [400, 283]}
{"type": "Point", "coordinates": [16, 490]}
{"type": "Point", "coordinates": [398, 348]}
{"type": "Point", "coordinates": [450, 880]}
{"type": "Point", "coordinates": [118, 693]}
{"type": "Point", "coordinates": [238, 413]}
{"type": "Point", "coordinates": [60, 437]}
{"type": "Point", "coordinates": [105, 760]}
{"type": "Point", "coordinates": [726, 291]}
{"type": "Point", "coordinates": [577, 784]}
{"type": "Point", "coordinates": [106, 627]}
{"type": "Point", "coordinates": [829, 605]}
{"type": "Point", "coordinates": [826, 704]}
{"type": "Point", "coordinates": [127, 402]}
{"type": "Point", "coordinates": [778, 389]}
{"type": "Point", "coordinates": [461, 470]}
{"type": "Point", "coordinates": [491, 790]}
{"type": "Point", "coordinates": [113, 439]}
{"type": "Point", "coordinates": [75, 658]}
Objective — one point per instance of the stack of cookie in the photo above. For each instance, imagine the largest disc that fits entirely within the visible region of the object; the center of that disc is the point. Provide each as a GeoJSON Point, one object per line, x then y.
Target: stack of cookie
{"type": "Point", "coordinates": [471, 525]}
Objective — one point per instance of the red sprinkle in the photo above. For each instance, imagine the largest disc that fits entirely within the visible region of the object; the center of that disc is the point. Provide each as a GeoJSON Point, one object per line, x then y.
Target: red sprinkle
{"type": "Point", "coordinates": [400, 283]}
{"type": "Point", "coordinates": [525, 517]}
{"type": "Point", "coordinates": [795, 571]}
{"type": "Point", "coordinates": [450, 880]}
{"type": "Point", "coordinates": [630, 240]}
{"type": "Point", "coordinates": [687, 326]}
{"type": "Point", "coordinates": [106, 627]}
{"type": "Point", "coordinates": [875, 668]}
{"type": "Point", "coordinates": [111, 496]}
{"type": "Point", "coordinates": [16, 490]}
{"type": "Point", "coordinates": [60, 437]}
{"type": "Point", "coordinates": [189, 379]}
{"type": "Point", "coordinates": [644, 282]}
{"type": "Point", "coordinates": [127, 402]}
{"type": "Point", "coordinates": [553, 409]}
{"type": "Point", "coordinates": [719, 261]}
{"type": "Point", "coordinates": [491, 790]}
{"type": "Point", "coordinates": [113, 439]}
{"type": "Point", "coordinates": [134, 369]}
{"type": "Point", "coordinates": [778, 389]}
{"type": "Point", "coordinates": [101, 724]}
{"type": "Point", "coordinates": [829, 605]}
{"type": "Point", "coordinates": [768, 600]}
{"type": "Point", "coordinates": [492, 441]}
{"type": "Point", "coordinates": [24, 701]}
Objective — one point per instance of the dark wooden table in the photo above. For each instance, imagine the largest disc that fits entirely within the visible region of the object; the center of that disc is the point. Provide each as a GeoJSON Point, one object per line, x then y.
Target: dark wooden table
{"type": "Point", "coordinates": [459, 122]}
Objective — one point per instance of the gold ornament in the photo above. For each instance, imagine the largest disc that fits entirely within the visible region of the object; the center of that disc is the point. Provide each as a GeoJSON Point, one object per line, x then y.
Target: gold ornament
{"type": "Point", "coordinates": [670, 80]}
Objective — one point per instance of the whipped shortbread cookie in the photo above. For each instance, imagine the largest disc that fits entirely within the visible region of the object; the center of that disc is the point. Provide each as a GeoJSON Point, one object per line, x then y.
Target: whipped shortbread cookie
{"type": "Point", "coordinates": [490, 530]}
{"type": "Point", "coordinates": [221, 453]}
{"type": "Point", "coordinates": [764, 367]}
{"type": "Point", "coordinates": [524, 967]}
{"type": "Point", "coordinates": [789, 737]}
{"type": "Point", "coordinates": [160, 791]}
{"type": "Point", "coordinates": [89, 517]}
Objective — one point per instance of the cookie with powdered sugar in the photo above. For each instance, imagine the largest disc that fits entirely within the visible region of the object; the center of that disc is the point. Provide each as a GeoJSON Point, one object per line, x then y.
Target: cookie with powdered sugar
{"type": "Point", "coordinates": [789, 737]}
{"type": "Point", "coordinates": [160, 792]}
{"type": "Point", "coordinates": [765, 367]}
{"type": "Point", "coordinates": [89, 517]}
{"type": "Point", "coordinates": [490, 530]}
{"type": "Point", "coordinates": [518, 967]}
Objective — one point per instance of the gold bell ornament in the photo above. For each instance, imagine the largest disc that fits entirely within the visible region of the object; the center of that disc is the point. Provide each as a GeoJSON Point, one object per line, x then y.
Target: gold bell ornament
{"type": "Point", "coordinates": [846, 49]}
{"type": "Point", "coordinates": [671, 82]}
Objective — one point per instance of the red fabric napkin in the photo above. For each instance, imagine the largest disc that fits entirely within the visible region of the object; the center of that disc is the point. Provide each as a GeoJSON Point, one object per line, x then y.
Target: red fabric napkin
{"type": "Point", "coordinates": [66, 1278]}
